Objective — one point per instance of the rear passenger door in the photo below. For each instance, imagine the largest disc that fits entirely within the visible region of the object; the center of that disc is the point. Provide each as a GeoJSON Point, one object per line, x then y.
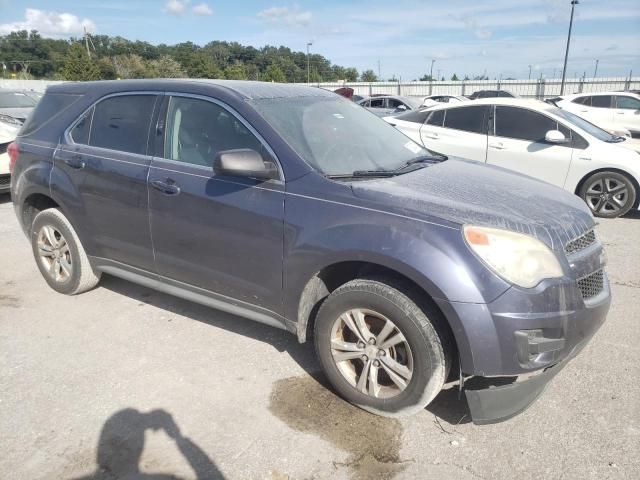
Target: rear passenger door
{"type": "Point", "coordinates": [519, 144]}
{"type": "Point", "coordinates": [223, 234]}
{"type": "Point", "coordinates": [458, 131]}
{"type": "Point", "coordinates": [627, 113]}
{"type": "Point", "coordinates": [102, 165]}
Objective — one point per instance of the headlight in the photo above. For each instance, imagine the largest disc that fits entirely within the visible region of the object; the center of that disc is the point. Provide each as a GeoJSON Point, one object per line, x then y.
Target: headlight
{"type": "Point", "coordinates": [519, 259]}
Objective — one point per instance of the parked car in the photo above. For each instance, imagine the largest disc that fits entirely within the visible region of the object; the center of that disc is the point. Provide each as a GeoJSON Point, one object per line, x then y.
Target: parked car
{"type": "Point", "coordinates": [346, 92]}
{"type": "Point", "coordinates": [608, 110]}
{"type": "Point", "coordinates": [434, 99]}
{"type": "Point", "coordinates": [294, 207]}
{"type": "Point", "coordinates": [8, 130]}
{"type": "Point", "coordinates": [491, 94]}
{"type": "Point", "coordinates": [385, 105]}
{"type": "Point", "coordinates": [16, 104]}
{"type": "Point", "coordinates": [537, 139]}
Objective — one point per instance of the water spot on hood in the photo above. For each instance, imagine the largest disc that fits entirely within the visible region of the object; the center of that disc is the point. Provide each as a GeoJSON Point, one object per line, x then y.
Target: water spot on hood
{"type": "Point", "coordinates": [373, 443]}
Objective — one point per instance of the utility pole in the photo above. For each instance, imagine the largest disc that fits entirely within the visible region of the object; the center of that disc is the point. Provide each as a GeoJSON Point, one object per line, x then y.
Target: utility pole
{"type": "Point", "coordinates": [433, 60]}
{"type": "Point", "coordinates": [529, 72]}
{"type": "Point", "coordinates": [308, 71]}
{"type": "Point", "coordinates": [595, 72]}
{"type": "Point", "coordinates": [86, 41]}
{"type": "Point", "coordinates": [566, 53]}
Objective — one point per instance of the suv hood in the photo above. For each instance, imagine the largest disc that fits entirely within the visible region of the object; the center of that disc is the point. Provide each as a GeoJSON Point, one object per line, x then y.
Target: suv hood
{"type": "Point", "coordinates": [466, 192]}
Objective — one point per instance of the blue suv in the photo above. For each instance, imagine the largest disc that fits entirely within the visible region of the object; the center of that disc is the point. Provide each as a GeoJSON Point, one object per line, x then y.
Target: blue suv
{"type": "Point", "coordinates": [294, 207]}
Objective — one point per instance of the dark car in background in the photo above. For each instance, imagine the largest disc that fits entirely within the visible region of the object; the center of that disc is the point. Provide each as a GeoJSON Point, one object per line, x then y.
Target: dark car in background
{"type": "Point", "coordinates": [389, 105]}
{"type": "Point", "coordinates": [491, 94]}
{"type": "Point", "coordinates": [296, 208]}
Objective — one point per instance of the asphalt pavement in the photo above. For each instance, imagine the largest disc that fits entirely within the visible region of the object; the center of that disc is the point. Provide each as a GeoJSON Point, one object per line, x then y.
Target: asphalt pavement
{"type": "Point", "coordinates": [125, 382]}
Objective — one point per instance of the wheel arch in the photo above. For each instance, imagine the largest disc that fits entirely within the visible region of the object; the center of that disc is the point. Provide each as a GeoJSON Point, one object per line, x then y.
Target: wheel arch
{"type": "Point", "coordinates": [631, 177]}
{"type": "Point", "coordinates": [332, 276]}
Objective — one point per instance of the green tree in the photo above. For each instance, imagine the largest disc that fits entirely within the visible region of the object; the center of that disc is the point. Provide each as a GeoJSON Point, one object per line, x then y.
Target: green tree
{"type": "Point", "coordinates": [427, 78]}
{"type": "Point", "coordinates": [130, 66]}
{"type": "Point", "coordinates": [350, 74]}
{"type": "Point", "coordinates": [106, 69]}
{"type": "Point", "coordinates": [454, 78]}
{"type": "Point", "coordinates": [235, 72]}
{"type": "Point", "coordinates": [368, 76]}
{"type": "Point", "coordinates": [274, 74]}
{"type": "Point", "coordinates": [165, 67]}
{"type": "Point", "coordinates": [78, 65]}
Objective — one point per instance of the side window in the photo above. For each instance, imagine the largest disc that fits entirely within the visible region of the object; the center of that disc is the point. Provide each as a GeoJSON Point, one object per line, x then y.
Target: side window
{"type": "Point", "coordinates": [416, 116]}
{"type": "Point", "coordinates": [122, 123]}
{"type": "Point", "coordinates": [469, 119]}
{"type": "Point", "coordinates": [601, 101]}
{"type": "Point", "coordinates": [436, 119]}
{"type": "Point", "coordinates": [197, 130]}
{"type": "Point", "coordinates": [583, 101]}
{"type": "Point", "coordinates": [80, 133]}
{"type": "Point", "coordinates": [627, 103]}
{"type": "Point", "coordinates": [377, 103]}
{"type": "Point", "coordinates": [522, 124]}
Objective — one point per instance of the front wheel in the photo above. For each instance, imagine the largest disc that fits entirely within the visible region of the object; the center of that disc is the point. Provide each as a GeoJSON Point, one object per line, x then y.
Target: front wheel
{"type": "Point", "coordinates": [379, 350]}
{"type": "Point", "coordinates": [608, 194]}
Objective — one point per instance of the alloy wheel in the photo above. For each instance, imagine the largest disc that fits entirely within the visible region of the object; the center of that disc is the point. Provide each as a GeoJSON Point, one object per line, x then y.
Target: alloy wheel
{"type": "Point", "coordinates": [607, 195]}
{"type": "Point", "coordinates": [54, 254]}
{"type": "Point", "coordinates": [371, 353]}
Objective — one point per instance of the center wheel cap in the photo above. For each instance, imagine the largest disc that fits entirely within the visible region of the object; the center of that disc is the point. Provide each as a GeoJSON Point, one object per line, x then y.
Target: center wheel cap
{"type": "Point", "coordinates": [371, 351]}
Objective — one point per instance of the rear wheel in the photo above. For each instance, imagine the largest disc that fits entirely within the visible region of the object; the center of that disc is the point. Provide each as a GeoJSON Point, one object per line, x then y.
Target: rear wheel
{"type": "Point", "coordinates": [608, 194]}
{"type": "Point", "coordinates": [59, 254]}
{"type": "Point", "coordinates": [379, 350]}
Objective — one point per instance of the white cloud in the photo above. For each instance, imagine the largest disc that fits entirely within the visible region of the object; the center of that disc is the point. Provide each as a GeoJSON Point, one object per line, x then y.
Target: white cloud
{"type": "Point", "coordinates": [202, 9]}
{"type": "Point", "coordinates": [175, 7]}
{"type": "Point", "coordinates": [292, 17]}
{"type": "Point", "coordinates": [49, 24]}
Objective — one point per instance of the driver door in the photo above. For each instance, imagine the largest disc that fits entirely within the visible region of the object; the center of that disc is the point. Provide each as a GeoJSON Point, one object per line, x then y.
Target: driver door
{"type": "Point", "coordinates": [518, 143]}
{"type": "Point", "coordinates": [223, 234]}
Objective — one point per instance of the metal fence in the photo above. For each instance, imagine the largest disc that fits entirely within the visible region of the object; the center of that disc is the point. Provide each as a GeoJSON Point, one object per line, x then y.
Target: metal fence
{"type": "Point", "coordinates": [535, 88]}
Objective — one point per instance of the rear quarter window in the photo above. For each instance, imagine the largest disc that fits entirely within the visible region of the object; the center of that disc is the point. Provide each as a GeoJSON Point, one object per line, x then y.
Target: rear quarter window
{"type": "Point", "coordinates": [415, 116]}
{"type": "Point", "coordinates": [51, 105]}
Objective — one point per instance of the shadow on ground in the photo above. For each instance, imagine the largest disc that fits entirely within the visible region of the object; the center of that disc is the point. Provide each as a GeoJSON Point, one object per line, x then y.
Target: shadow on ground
{"type": "Point", "coordinates": [121, 445]}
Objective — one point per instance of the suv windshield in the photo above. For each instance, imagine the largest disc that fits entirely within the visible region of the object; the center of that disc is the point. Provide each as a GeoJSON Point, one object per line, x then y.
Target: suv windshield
{"type": "Point", "coordinates": [16, 100]}
{"type": "Point", "coordinates": [588, 127]}
{"type": "Point", "coordinates": [338, 137]}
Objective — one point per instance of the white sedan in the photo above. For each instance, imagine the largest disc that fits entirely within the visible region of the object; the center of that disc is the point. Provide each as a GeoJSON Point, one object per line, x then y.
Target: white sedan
{"type": "Point", "coordinates": [432, 100]}
{"type": "Point", "coordinates": [536, 139]}
{"type": "Point", "coordinates": [8, 130]}
{"type": "Point", "coordinates": [612, 111]}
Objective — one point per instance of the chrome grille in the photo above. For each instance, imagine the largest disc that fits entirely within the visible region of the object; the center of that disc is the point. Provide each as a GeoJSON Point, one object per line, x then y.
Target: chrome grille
{"type": "Point", "coordinates": [580, 243]}
{"type": "Point", "coordinates": [591, 285]}
{"type": "Point", "coordinates": [5, 180]}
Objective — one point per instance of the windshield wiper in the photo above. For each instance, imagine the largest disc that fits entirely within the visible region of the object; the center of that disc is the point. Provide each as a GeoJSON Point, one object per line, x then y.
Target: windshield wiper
{"type": "Point", "coordinates": [426, 159]}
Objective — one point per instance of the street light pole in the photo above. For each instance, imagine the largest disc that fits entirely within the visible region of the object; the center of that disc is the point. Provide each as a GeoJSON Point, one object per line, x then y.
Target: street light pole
{"type": "Point", "coordinates": [595, 72]}
{"type": "Point", "coordinates": [431, 72]}
{"type": "Point", "coordinates": [529, 72]}
{"type": "Point", "coordinates": [308, 45]}
{"type": "Point", "coordinates": [566, 53]}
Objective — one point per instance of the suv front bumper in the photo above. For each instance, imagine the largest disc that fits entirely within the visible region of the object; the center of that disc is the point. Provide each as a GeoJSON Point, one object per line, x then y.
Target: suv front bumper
{"type": "Point", "coordinates": [522, 334]}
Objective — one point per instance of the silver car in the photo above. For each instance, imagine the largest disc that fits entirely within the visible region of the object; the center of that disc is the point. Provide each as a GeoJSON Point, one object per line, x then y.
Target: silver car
{"type": "Point", "coordinates": [390, 105]}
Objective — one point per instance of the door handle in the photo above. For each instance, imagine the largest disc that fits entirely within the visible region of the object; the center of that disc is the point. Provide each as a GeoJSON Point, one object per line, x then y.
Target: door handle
{"type": "Point", "coordinates": [434, 136]}
{"type": "Point", "coordinates": [75, 162]}
{"type": "Point", "coordinates": [497, 146]}
{"type": "Point", "coordinates": [167, 187]}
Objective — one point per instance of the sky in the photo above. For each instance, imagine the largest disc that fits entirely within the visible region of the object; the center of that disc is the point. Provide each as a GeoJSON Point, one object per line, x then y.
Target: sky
{"type": "Point", "coordinates": [398, 38]}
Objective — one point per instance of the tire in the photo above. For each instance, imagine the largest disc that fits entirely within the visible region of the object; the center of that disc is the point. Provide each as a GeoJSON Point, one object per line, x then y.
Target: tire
{"type": "Point", "coordinates": [59, 254]}
{"type": "Point", "coordinates": [423, 340]}
{"type": "Point", "coordinates": [608, 194]}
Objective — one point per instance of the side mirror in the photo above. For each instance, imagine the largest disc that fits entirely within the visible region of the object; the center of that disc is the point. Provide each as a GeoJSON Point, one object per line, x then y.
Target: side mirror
{"type": "Point", "coordinates": [402, 108]}
{"type": "Point", "coordinates": [244, 162]}
{"type": "Point", "coordinates": [555, 136]}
